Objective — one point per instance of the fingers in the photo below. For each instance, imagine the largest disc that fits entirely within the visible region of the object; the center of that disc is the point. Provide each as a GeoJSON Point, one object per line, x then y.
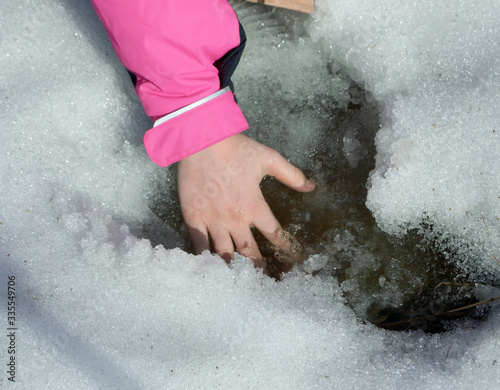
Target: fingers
{"type": "Point", "coordinates": [199, 238]}
{"type": "Point", "coordinates": [273, 232]}
{"type": "Point", "coordinates": [223, 244]}
{"type": "Point", "coordinates": [238, 236]}
{"type": "Point", "coordinates": [247, 246]}
{"type": "Point", "coordinates": [288, 174]}
{"type": "Point", "coordinates": [244, 241]}
{"type": "Point", "coordinates": [285, 245]}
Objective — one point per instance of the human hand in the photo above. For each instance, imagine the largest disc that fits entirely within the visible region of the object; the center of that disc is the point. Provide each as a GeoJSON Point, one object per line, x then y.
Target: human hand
{"type": "Point", "coordinates": [221, 198]}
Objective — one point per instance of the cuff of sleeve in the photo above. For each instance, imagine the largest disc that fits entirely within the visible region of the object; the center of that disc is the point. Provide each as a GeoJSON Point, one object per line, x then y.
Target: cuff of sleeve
{"type": "Point", "coordinates": [190, 131]}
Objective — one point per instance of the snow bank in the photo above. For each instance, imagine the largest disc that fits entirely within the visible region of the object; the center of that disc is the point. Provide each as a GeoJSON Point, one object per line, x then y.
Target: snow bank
{"type": "Point", "coordinates": [434, 67]}
{"type": "Point", "coordinates": [99, 306]}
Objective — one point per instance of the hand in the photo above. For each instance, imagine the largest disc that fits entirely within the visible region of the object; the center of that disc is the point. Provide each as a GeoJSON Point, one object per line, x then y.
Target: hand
{"type": "Point", "coordinates": [220, 196]}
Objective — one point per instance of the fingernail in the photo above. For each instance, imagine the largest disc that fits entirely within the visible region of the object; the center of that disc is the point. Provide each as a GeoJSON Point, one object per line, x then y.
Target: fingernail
{"type": "Point", "coordinates": [310, 184]}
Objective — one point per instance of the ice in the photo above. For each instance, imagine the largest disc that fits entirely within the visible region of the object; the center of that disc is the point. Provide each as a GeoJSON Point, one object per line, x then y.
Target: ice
{"type": "Point", "coordinates": [100, 305]}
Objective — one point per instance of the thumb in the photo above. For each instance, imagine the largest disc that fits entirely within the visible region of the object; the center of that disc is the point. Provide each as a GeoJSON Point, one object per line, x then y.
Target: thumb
{"type": "Point", "coordinates": [288, 174]}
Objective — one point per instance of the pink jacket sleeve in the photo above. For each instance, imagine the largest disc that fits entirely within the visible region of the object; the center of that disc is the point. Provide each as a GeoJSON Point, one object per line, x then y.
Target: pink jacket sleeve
{"type": "Point", "coordinates": [171, 46]}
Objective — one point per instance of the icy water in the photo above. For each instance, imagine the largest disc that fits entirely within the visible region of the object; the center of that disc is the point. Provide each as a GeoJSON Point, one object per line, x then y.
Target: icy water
{"type": "Point", "coordinates": [322, 121]}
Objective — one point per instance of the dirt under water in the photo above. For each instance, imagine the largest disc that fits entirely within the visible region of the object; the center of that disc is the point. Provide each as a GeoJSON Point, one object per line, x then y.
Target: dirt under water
{"type": "Point", "coordinates": [396, 283]}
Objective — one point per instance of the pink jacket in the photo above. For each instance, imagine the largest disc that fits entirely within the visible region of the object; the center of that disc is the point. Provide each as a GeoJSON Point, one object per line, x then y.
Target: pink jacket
{"type": "Point", "coordinates": [171, 46]}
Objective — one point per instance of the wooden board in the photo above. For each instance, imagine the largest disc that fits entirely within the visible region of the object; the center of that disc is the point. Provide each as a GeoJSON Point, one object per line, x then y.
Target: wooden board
{"type": "Point", "coordinates": [306, 6]}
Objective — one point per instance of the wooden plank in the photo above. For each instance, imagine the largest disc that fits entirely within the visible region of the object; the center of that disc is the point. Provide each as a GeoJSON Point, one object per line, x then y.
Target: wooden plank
{"type": "Point", "coordinates": [306, 6]}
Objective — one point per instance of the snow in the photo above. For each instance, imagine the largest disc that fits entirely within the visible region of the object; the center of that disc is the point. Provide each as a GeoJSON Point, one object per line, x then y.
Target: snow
{"type": "Point", "coordinates": [99, 304]}
{"type": "Point", "coordinates": [435, 67]}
